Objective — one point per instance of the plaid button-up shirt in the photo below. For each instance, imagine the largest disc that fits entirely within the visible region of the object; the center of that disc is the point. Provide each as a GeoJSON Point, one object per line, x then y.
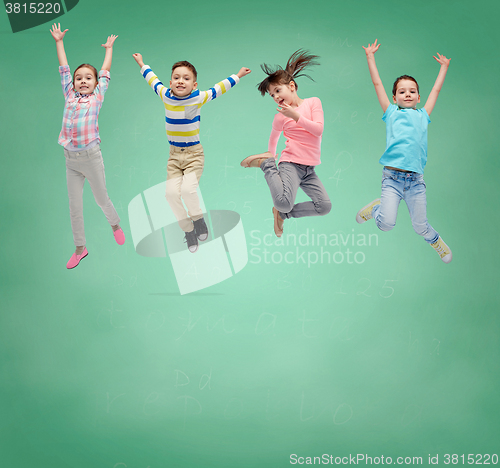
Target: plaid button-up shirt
{"type": "Point", "coordinates": [79, 124]}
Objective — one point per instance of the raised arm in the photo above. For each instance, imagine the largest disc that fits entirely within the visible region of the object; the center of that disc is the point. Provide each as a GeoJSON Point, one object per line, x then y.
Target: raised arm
{"type": "Point", "coordinates": [431, 100]}
{"type": "Point", "coordinates": [153, 81]}
{"type": "Point", "coordinates": [109, 52]}
{"type": "Point", "coordinates": [138, 59]}
{"type": "Point", "coordinates": [377, 82]}
{"type": "Point", "coordinates": [243, 72]}
{"type": "Point", "coordinates": [58, 36]}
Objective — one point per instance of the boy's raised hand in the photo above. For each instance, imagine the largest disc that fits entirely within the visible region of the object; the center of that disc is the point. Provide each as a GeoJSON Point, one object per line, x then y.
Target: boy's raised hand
{"type": "Point", "coordinates": [372, 48]}
{"type": "Point", "coordinates": [138, 59]}
{"type": "Point", "coordinates": [110, 41]}
{"type": "Point", "coordinates": [244, 71]}
{"type": "Point", "coordinates": [442, 60]}
{"type": "Point", "coordinates": [56, 32]}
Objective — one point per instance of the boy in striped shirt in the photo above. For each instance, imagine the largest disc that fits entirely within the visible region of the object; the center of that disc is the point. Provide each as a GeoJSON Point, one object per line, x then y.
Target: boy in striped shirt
{"type": "Point", "coordinates": [183, 102]}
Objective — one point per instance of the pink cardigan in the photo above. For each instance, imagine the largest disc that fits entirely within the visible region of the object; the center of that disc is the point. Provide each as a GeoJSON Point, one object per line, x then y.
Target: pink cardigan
{"type": "Point", "coordinates": [303, 138]}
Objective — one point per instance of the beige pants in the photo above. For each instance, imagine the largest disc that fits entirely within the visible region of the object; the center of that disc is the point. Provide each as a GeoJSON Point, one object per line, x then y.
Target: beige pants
{"type": "Point", "coordinates": [184, 169]}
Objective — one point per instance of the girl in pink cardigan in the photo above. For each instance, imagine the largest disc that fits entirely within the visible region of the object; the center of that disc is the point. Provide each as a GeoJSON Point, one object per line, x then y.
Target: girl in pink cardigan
{"type": "Point", "coordinates": [301, 121]}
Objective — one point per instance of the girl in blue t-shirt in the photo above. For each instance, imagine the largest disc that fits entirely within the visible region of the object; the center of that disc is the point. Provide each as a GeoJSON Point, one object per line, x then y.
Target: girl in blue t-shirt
{"type": "Point", "coordinates": [405, 155]}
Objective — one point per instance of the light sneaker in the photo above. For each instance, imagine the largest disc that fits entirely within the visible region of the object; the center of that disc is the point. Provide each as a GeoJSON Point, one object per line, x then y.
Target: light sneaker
{"type": "Point", "coordinates": [256, 159]}
{"type": "Point", "coordinates": [192, 241]}
{"type": "Point", "coordinates": [365, 213]}
{"type": "Point", "coordinates": [75, 259]}
{"type": "Point", "coordinates": [278, 223]}
{"type": "Point", "coordinates": [443, 250]}
{"type": "Point", "coordinates": [201, 229]}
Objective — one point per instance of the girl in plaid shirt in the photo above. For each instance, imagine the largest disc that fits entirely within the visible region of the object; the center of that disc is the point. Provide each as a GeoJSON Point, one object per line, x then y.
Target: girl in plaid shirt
{"type": "Point", "coordinates": [83, 94]}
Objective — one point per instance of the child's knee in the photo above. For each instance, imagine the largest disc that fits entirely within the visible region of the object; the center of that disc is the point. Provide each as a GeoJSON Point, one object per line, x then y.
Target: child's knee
{"type": "Point", "coordinates": [172, 192]}
{"type": "Point", "coordinates": [189, 185]}
{"type": "Point", "coordinates": [384, 225]}
{"type": "Point", "coordinates": [420, 229]}
{"type": "Point", "coordinates": [323, 207]}
{"type": "Point", "coordinates": [187, 191]}
{"type": "Point", "coordinates": [102, 200]}
{"type": "Point", "coordinates": [283, 205]}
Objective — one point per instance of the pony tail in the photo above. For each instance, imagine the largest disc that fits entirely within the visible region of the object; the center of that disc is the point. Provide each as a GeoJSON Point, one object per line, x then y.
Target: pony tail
{"type": "Point", "coordinates": [274, 74]}
{"type": "Point", "coordinates": [268, 70]}
{"type": "Point", "coordinates": [298, 62]}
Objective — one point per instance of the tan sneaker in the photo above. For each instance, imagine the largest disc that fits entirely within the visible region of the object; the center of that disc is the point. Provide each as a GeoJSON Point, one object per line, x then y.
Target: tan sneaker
{"type": "Point", "coordinates": [256, 159]}
{"type": "Point", "coordinates": [365, 213]}
{"type": "Point", "coordinates": [443, 250]}
{"type": "Point", "coordinates": [278, 222]}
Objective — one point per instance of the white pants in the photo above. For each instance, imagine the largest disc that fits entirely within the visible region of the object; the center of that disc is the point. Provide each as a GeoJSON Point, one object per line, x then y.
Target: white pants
{"type": "Point", "coordinates": [80, 166]}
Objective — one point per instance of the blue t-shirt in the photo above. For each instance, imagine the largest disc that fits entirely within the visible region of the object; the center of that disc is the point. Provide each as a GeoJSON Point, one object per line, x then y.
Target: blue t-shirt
{"type": "Point", "coordinates": [406, 138]}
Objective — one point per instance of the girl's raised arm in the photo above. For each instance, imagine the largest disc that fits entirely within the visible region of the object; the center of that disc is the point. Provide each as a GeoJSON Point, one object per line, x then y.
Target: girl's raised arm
{"type": "Point", "coordinates": [58, 35]}
{"type": "Point", "coordinates": [109, 52]}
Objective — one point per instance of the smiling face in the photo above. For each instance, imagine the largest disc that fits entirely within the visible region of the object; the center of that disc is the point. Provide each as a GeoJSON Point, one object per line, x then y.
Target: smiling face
{"type": "Point", "coordinates": [284, 93]}
{"type": "Point", "coordinates": [406, 95]}
{"type": "Point", "coordinates": [183, 82]}
{"type": "Point", "coordinates": [84, 80]}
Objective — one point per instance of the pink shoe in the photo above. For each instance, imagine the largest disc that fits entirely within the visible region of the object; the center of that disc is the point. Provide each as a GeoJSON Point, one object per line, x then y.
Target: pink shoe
{"type": "Point", "coordinates": [75, 259]}
{"type": "Point", "coordinates": [119, 236]}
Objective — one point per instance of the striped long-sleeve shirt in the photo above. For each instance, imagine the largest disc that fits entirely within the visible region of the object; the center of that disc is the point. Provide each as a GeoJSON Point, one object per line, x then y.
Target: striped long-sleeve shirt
{"type": "Point", "coordinates": [79, 124]}
{"type": "Point", "coordinates": [182, 114]}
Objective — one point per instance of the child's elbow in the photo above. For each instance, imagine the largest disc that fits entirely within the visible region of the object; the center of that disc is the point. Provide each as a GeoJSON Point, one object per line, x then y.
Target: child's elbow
{"type": "Point", "coordinates": [319, 130]}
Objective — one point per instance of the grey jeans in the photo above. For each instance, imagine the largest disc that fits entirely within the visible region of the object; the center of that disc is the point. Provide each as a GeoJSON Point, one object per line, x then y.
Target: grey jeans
{"type": "Point", "coordinates": [80, 166]}
{"type": "Point", "coordinates": [284, 181]}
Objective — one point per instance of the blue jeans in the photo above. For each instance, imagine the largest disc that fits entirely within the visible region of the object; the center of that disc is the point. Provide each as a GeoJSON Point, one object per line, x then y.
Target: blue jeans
{"type": "Point", "coordinates": [284, 183]}
{"type": "Point", "coordinates": [410, 187]}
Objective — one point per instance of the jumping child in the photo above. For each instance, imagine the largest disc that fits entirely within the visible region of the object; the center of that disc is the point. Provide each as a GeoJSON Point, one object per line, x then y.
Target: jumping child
{"type": "Point", "coordinates": [84, 94]}
{"type": "Point", "coordinates": [183, 102]}
{"type": "Point", "coordinates": [406, 154]}
{"type": "Point", "coordinates": [301, 121]}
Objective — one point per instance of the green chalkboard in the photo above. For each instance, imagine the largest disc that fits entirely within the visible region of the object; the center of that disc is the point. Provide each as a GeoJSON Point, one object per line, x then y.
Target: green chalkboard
{"type": "Point", "coordinates": [337, 342]}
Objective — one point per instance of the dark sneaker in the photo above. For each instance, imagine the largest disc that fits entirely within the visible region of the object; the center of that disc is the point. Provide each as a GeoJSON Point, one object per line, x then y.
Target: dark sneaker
{"type": "Point", "coordinates": [192, 241]}
{"type": "Point", "coordinates": [201, 229]}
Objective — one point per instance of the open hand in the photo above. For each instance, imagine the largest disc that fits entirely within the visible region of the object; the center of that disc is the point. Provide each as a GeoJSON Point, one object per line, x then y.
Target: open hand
{"type": "Point", "coordinates": [56, 32]}
{"type": "Point", "coordinates": [288, 111]}
{"type": "Point", "coordinates": [442, 60]}
{"type": "Point", "coordinates": [372, 48]}
{"type": "Point", "coordinates": [244, 71]}
{"type": "Point", "coordinates": [110, 41]}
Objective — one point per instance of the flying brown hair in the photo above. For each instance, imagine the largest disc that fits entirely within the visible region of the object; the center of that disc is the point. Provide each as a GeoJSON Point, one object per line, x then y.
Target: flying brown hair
{"type": "Point", "coordinates": [297, 63]}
